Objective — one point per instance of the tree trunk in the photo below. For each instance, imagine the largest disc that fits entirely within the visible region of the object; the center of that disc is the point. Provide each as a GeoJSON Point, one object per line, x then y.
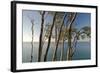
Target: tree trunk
{"type": "Point", "coordinates": [40, 39]}
{"type": "Point", "coordinates": [56, 33]}
{"type": "Point", "coordinates": [69, 51]}
{"type": "Point", "coordinates": [74, 43]}
{"type": "Point", "coordinates": [62, 50]}
{"type": "Point", "coordinates": [49, 39]}
{"type": "Point", "coordinates": [69, 45]}
{"type": "Point", "coordinates": [32, 42]}
{"type": "Point", "coordinates": [63, 42]}
{"type": "Point", "coordinates": [55, 52]}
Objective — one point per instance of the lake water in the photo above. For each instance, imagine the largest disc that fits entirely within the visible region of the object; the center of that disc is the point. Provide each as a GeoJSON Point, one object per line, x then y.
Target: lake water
{"type": "Point", "coordinates": [83, 51]}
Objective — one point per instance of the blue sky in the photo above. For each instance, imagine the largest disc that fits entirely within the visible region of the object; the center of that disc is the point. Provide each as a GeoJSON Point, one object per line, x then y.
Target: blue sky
{"type": "Point", "coordinates": [82, 19]}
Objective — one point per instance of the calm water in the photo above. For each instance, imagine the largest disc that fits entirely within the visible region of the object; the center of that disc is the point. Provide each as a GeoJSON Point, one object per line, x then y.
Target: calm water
{"type": "Point", "coordinates": [83, 51]}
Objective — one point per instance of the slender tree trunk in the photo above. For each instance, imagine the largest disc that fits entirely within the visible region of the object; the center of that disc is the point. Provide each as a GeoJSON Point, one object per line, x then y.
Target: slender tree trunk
{"type": "Point", "coordinates": [69, 51]}
{"type": "Point", "coordinates": [63, 42]}
{"type": "Point", "coordinates": [55, 35]}
{"type": "Point", "coordinates": [49, 39]}
{"type": "Point", "coordinates": [62, 50]}
{"type": "Point", "coordinates": [32, 42]}
{"type": "Point", "coordinates": [55, 52]}
{"type": "Point", "coordinates": [40, 39]}
{"type": "Point", "coordinates": [69, 46]}
{"type": "Point", "coordinates": [74, 43]}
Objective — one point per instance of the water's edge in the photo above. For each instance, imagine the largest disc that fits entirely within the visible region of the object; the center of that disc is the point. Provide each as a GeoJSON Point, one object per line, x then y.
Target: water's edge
{"type": "Point", "coordinates": [83, 51]}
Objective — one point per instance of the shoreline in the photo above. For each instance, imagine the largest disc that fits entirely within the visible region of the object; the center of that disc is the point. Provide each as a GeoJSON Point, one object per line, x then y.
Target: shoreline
{"type": "Point", "coordinates": [65, 41]}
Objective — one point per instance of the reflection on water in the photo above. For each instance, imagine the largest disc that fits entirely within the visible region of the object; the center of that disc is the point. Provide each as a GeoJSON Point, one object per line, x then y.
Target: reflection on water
{"type": "Point", "coordinates": [83, 51]}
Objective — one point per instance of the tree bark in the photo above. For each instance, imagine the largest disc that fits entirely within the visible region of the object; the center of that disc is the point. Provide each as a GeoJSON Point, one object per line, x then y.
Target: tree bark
{"type": "Point", "coordinates": [74, 43]}
{"type": "Point", "coordinates": [69, 51]}
{"type": "Point", "coordinates": [32, 41]}
{"type": "Point", "coordinates": [62, 50]}
{"type": "Point", "coordinates": [55, 52]}
{"type": "Point", "coordinates": [49, 39]}
{"type": "Point", "coordinates": [40, 39]}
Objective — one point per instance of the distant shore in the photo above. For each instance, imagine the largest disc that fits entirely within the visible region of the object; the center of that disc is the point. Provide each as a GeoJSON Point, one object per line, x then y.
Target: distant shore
{"type": "Point", "coordinates": [87, 40]}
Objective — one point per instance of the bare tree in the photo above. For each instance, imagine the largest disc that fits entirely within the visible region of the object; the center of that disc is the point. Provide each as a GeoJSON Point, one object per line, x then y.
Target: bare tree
{"type": "Point", "coordinates": [55, 52]}
{"type": "Point", "coordinates": [69, 51]}
{"type": "Point", "coordinates": [32, 29]}
{"type": "Point", "coordinates": [49, 39]}
{"type": "Point", "coordinates": [83, 31]}
{"type": "Point", "coordinates": [62, 40]}
{"type": "Point", "coordinates": [32, 21]}
{"type": "Point", "coordinates": [41, 34]}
